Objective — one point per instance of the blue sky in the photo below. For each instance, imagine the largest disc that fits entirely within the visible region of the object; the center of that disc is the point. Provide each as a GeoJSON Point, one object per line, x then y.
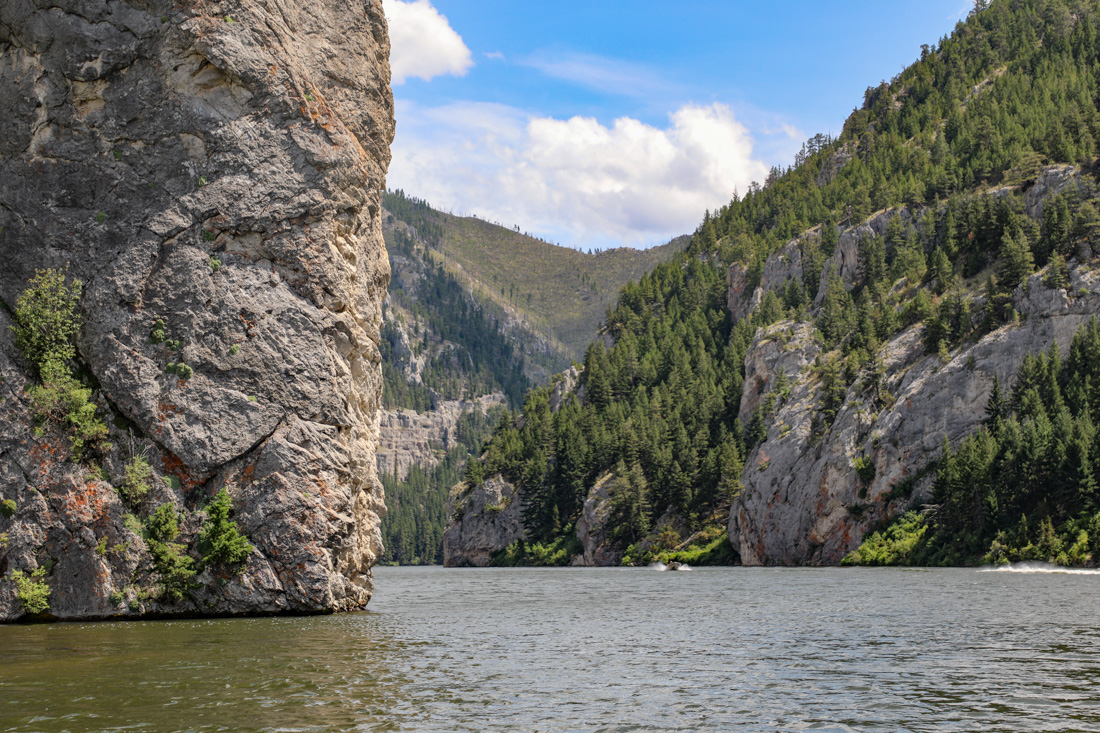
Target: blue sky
{"type": "Point", "coordinates": [607, 123]}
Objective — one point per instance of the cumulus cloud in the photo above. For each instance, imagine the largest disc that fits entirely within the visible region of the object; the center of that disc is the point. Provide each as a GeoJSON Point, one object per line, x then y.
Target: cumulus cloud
{"type": "Point", "coordinates": [577, 180]}
{"type": "Point", "coordinates": [422, 42]}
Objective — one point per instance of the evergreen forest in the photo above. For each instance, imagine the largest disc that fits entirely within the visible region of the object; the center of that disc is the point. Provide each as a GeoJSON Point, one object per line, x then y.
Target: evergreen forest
{"type": "Point", "coordinates": [947, 151]}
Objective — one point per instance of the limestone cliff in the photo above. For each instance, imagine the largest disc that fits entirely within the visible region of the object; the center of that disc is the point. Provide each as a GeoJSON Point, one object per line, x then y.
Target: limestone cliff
{"type": "Point", "coordinates": [484, 520]}
{"type": "Point", "coordinates": [216, 166]}
{"type": "Point", "coordinates": [804, 501]}
{"type": "Point", "coordinates": [811, 491]}
{"type": "Point", "coordinates": [409, 438]}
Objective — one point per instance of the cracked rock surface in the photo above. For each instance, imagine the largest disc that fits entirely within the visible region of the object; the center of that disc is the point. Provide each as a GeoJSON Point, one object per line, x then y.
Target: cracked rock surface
{"type": "Point", "coordinates": [215, 166]}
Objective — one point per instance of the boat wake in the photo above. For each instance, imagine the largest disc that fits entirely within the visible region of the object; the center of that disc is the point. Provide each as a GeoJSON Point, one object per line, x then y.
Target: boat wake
{"type": "Point", "coordinates": [1037, 567]}
{"type": "Point", "coordinates": [661, 567]}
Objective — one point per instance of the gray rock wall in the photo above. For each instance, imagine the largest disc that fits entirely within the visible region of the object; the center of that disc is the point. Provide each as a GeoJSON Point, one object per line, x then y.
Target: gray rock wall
{"type": "Point", "coordinates": [141, 139]}
{"type": "Point", "coordinates": [803, 500]}
{"type": "Point", "coordinates": [408, 437]}
{"type": "Point", "coordinates": [484, 520]}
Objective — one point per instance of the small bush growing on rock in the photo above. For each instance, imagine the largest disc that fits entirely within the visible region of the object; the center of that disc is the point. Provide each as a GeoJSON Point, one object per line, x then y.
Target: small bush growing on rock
{"type": "Point", "coordinates": [865, 467]}
{"type": "Point", "coordinates": [32, 591]}
{"type": "Point", "coordinates": [115, 598]}
{"type": "Point", "coordinates": [157, 336]}
{"type": "Point", "coordinates": [8, 507]}
{"type": "Point", "coordinates": [215, 264]}
{"type": "Point", "coordinates": [132, 523]}
{"type": "Point", "coordinates": [135, 484]}
{"type": "Point", "coordinates": [45, 318]}
{"type": "Point", "coordinates": [173, 566]}
{"type": "Point", "coordinates": [234, 349]}
{"type": "Point", "coordinates": [62, 400]}
{"type": "Point", "coordinates": [221, 540]}
{"type": "Point", "coordinates": [45, 326]}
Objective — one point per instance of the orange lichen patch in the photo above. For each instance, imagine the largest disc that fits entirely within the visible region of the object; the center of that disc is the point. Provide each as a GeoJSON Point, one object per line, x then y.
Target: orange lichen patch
{"type": "Point", "coordinates": [165, 408]}
{"type": "Point", "coordinates": [173, 466]}
{"type": "Point", "coordinates": [84, 504]}
{"type": "Point", "coordinates": [249, 324]}
{"type": "Point", "coordinates": [48, 453]}
{"type": "Point", "coordinates": [246, 474]}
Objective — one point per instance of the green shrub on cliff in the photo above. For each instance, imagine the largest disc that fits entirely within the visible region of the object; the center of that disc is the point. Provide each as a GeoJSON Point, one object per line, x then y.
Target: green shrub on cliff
{"type": "Point", "coordinates": [46, 322]}
{"type": "Point", "coordinates": [32, 591]}
{"type": "Point", "coordinates": [8, 508]}
{"type": "Point", "coordinates": [135, 483]}
{"type": "Point", "coordinates": [222, 541]}
{"type": "Point", "coordinates": [170, 560]}
{"type": "Point", "coordinates": [45, 318]}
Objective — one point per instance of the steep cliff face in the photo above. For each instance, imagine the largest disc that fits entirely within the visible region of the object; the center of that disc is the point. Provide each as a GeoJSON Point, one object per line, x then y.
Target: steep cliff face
{"type": "Point", "coordinates": [216, 166]}
{"type": "Point", "coordinates": [409, 438]}
{"type": "Point", "coordinates": [811, 490]}
{"type": "Point", "coordinates": [484, 521]}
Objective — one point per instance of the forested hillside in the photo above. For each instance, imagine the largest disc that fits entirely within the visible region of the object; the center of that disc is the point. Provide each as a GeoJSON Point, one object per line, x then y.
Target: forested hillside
{"type": "Point", "coordinates": [449, 339]}
{"type": "Point", "coordinates": [921, 223]}
{"type": "Point", "coordinates": [558, 294]}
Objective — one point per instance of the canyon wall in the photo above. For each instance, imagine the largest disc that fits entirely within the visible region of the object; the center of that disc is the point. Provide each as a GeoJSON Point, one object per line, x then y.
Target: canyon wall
{"type": "Point", "coordinates": [211, 171]}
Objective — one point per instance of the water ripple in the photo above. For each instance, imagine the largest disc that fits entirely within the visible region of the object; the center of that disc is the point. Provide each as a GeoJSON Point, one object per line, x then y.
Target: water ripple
{"type": "Point", "coordinates": [593, 650]}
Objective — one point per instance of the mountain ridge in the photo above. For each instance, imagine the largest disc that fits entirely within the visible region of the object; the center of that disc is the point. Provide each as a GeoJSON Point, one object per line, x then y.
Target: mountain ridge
{"type": "Point", "coordinates": [909, 242]}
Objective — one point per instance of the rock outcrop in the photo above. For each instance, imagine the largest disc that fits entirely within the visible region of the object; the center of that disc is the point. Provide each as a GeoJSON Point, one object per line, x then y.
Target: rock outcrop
{"type": "Point", "coordinates": [409, 438]}
{"type": "Point", "coordinates": [805, 499]}
{"type": "Point", "coordinates": [592, 527]}
{"type": "Point", "coordinates": [216, 166]}
{"type": "Point", "coordinates": [484, 520]}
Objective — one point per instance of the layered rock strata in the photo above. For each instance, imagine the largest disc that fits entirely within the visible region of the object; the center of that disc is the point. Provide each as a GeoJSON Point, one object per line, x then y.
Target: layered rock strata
{"type": "Point", "coordinates": [217, 167]}
{"type": "Point", "coordinates": [409, 438]}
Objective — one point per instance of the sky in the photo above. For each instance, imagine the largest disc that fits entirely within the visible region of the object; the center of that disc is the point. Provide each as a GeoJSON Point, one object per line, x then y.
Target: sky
{"type": "Point", "coordinates": [604, 123]}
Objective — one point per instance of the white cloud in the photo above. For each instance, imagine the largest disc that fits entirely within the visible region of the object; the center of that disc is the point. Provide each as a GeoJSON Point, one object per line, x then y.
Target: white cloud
{"type": "Point", "coordinates": [577, 181]}
{"type": "Point", "coordinates": [422, 42]}
{"type": "Point", "coordinates": [600, 73]}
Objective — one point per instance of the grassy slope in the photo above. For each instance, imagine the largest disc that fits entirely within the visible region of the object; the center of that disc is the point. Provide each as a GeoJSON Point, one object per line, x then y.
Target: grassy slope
{"type": "Point", "coordinates": [559, 291]}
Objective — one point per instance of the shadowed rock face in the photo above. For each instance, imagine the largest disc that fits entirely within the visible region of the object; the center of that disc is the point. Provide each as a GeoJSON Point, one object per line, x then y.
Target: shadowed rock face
{"type": "Point", "coordinates": [485, 520]}
{"type": "Point", "coordinates": [144, 142]}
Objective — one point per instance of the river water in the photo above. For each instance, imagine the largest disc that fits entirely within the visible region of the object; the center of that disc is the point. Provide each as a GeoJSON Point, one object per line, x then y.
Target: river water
{"type": "Point", "coordinates": [593, 650]}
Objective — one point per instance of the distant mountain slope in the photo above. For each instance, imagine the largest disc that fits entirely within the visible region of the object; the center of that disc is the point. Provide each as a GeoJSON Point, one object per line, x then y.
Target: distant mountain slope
{"type": "Point", "coordinates": [558, 292]}
{"type": "Point", "coordinates": [475, 315]}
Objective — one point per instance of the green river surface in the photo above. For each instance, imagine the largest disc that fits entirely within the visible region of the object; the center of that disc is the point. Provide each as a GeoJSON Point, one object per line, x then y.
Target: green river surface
{"type": "Point", "coordinates": [713, 649]}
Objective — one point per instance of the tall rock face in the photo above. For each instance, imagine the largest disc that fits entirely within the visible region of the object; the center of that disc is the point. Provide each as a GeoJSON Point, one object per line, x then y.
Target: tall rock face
{"type": "Point", "coordinates": [485, 520]}
{"type": "Point", "coordinates": [216, 166]}
{"type": "Point", "coordinates": [409, 438]}
{"type": "Point", "coordinates": [812, 490]}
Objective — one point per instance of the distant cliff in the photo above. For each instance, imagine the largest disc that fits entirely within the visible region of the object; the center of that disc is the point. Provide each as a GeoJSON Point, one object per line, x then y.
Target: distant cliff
{"type": "Point", "coordinates": [212, 172]}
